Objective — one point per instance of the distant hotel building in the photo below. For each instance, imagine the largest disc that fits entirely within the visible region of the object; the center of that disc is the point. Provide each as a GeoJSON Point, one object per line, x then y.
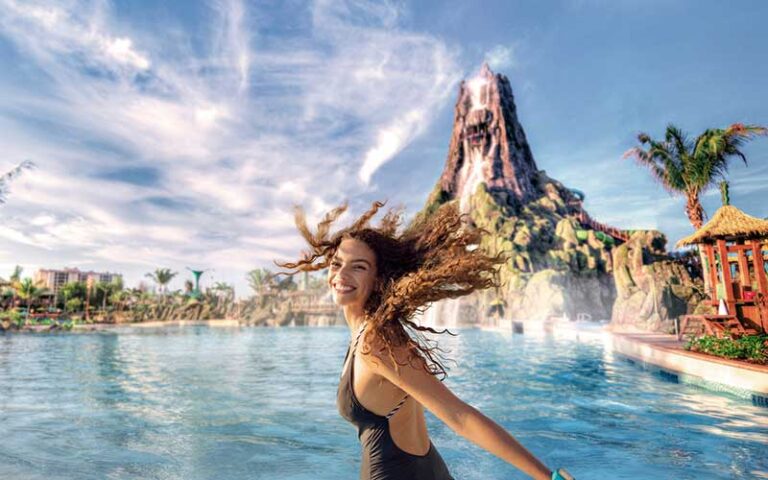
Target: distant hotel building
{"type": "Point", "coordinates": [54, 279]}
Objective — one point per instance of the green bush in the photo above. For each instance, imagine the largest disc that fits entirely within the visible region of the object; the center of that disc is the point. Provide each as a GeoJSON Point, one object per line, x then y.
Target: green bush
{"type": "Point", "coordinates": [12, 318]}
{"type": "Point", "coordinates": [749, 347]}
{"type": "Point", "coordinates": [74, 305]}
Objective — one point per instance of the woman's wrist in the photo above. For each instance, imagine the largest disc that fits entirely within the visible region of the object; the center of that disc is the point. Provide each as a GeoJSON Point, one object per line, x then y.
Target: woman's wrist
{"type": "Point", "coordinates": [561, 474]}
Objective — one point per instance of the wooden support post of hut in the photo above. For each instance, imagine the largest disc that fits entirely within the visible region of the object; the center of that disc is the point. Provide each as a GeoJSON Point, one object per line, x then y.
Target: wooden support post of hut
{"type": "Point", "coordinates": [736, 251]}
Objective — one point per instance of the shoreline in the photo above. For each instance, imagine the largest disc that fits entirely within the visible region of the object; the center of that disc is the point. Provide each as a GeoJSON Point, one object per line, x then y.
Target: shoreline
{"type": "Point", "coordinates": [220, 322]}
{"type": "Point", "coordinates": [97, 327]}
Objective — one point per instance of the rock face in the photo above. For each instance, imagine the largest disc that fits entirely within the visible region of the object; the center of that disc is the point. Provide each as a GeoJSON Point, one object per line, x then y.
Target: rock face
{"type": "Point", "coordinates": [488, 144]}
{"type": "Point", "coordinates": [651, 289]}
{"type": "Point", "coordinates": [561, 262]}
{"type": "Point", "coordinates": [553, 293]}
{"type": "Point", "coordinates": [557, 266]}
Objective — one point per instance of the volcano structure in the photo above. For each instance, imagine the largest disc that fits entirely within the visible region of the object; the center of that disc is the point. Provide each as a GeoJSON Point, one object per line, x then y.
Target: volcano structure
{"type": "Point", "coordinates": [488, 144]}
{"type": "Point", "coordinates": [560, 259]}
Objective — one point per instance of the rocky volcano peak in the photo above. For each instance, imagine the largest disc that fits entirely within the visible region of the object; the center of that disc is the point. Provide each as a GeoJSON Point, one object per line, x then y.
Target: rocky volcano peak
{"type": "Point", "coordinates": [560, 261]}
{"type": "Point", "coordinates": [488, 144]}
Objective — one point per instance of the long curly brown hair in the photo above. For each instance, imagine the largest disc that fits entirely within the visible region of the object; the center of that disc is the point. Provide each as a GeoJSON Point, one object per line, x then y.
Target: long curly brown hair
{"type": "Point", "coordinates": [436, 257]}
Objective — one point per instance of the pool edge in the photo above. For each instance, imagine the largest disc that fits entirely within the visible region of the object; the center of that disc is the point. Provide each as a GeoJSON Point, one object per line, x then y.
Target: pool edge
{"type": "Point", "coordinates": [746, 382]}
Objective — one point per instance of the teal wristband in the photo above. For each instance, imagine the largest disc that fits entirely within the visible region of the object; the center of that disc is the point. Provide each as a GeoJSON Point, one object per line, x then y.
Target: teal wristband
{"type": "Point", "coordinates": [561, 474]}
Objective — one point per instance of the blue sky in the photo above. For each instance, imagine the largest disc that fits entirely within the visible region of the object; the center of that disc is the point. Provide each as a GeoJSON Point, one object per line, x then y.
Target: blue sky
{"type": "Point", "coordinates": [175, 134]}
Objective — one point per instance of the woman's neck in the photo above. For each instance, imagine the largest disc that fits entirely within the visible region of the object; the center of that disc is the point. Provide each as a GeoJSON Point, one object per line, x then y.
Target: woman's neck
{"type": "Point", "coordinates": [355, 316]}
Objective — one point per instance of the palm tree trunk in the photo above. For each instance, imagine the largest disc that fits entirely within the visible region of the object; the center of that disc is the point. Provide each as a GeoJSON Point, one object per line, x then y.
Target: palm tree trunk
{"type": "Point", "coordinates": [695, 213]}
{"type": "Point", "coordinates": [694, 210]}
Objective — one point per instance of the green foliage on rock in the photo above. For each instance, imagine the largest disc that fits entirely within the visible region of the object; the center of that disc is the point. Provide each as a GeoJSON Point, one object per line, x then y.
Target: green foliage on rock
{"type": "Point", "coordinates": [542, 249]}
{"type": "Point", "coordinates": [539, 235]}
{"type": "Point", "coordinates": [436, 198]}
{"type": "Point", "coordinates": [566, 231]}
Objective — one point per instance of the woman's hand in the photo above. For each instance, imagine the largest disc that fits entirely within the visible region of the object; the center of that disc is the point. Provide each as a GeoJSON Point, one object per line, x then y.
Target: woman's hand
{"type": "Point", "coordinates": [458, 415]}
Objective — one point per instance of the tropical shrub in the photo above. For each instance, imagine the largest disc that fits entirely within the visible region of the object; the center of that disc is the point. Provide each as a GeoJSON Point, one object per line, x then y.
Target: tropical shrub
{"type": "Point", "coordinates": [74, 305]}
{"type": "Point", "coordinates": [11, 318]}
{"type": "Point", "coordinates": [753, 348]}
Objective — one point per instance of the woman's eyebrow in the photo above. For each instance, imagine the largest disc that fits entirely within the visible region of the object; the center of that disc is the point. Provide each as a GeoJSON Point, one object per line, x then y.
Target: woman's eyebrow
{"type": "Point", "coordinates": [354, 260]}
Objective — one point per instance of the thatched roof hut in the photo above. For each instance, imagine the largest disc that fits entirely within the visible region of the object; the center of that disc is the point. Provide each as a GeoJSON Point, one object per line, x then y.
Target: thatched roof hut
{"type": "Point", "coordinates": [733, 247]}
{"type": "Point", "coordinates": [728, 223]}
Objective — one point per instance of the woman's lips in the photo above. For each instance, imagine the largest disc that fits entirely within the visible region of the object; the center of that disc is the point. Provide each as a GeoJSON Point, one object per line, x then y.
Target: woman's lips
{"type": "Point", "coordinates": [343, 288]}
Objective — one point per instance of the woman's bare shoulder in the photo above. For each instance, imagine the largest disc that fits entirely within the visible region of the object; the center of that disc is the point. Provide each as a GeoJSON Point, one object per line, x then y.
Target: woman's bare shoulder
{"type": "Point", "coordinates": [378, 354]}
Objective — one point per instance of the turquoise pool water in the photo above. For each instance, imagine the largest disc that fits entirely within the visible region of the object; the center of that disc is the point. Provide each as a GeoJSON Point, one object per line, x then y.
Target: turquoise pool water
{"type": "Point", "coordinates": [212, 403]}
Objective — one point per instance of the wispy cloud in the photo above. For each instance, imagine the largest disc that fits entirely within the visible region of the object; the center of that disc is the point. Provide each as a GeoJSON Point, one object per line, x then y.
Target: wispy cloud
{"type": "Point", "coordinates": [396, 80]}
{"type": "Point", "coordinates": [235, 42]}
{"type": "Point", "coordinates": [224, 133]}
{"type": "Point", "coordinates": [501, 57]}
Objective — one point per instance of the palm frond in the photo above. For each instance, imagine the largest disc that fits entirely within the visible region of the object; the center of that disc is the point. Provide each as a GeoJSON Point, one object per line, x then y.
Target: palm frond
{"type": "Point", "coordinates": [677, 140]}
{"type": "Point", "coordinates": [7, 177]}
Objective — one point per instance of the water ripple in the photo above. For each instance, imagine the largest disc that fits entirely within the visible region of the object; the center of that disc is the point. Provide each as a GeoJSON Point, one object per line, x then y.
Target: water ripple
{"type": "Point", "coordinates": [201, 403]}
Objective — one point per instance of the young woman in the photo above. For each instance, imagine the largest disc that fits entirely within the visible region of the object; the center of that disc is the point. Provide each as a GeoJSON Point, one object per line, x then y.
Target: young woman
{"type": "Point", "coordinates": [381, 279]}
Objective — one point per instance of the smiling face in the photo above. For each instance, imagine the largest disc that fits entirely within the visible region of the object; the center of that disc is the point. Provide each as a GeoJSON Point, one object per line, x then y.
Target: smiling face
{"type": "Point", "coordinates": [352, 273]}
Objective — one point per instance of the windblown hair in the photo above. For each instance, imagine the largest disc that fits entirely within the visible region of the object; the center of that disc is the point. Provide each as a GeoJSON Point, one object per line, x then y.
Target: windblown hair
{"type": "Point", "coordinates": [436, 257]}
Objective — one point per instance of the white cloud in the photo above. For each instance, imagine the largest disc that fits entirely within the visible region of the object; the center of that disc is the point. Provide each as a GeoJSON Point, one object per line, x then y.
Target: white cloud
{"type": "Point", "coordinates": [501, 57]}
{"type": "Point", "coordinates": [42, 220]}
{"type": "Point", "coordinates": [391, 140]}
{"type": "Point", "coordinates": [121, 49]}
{"type": "Point", "coordinates": [52, 30]}
{"type": "Point", "coordinates": [236, 132]}
{"type": "Point", "coordinates": [238, 40]}
{"type": "Point", "coordinates": [395, 80]}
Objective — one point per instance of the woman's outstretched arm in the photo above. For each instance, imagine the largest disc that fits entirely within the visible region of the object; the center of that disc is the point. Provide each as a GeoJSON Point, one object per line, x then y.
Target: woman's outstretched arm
{"type": "Point", "coordinates": [458, 415]}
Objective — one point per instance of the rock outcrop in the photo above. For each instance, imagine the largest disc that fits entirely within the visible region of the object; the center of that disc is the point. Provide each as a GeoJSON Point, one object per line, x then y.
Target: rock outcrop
{"type": "Point", "coordinates": [651, 288]}
{"type": "Point", "coordinates": [562, 263]}
{"type": "Point", "coordinates": [557, 266]}
{"type": "Point", "coordinates": [488, 143]}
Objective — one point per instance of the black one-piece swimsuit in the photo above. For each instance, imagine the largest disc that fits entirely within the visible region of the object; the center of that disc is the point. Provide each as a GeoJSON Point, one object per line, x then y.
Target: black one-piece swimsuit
{"type": "Point", "coordinates": [381, 458]}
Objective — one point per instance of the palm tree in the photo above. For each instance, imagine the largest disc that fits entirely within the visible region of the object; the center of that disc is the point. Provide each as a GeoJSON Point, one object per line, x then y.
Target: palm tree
{"type": "Point", "coordinates": [113, 292]}
{"type": "Point", "coordinates": [162, 277]}
{"type": "Point", "coordinates": [5, 179]}
{"type": "Point", "coordinates": [28, 290]}
{"type": "Point", "coordinates": [287, 284]}
{"type": "Point", "coordinates": [16, 275]}
{"type": "Point", "coordinates": [118, 299]}
{"type": "Point", "coordinates": [72, 290]}
{"type": "Point", "coordinates": [224, 291]}
{"type": "Point", "coordinates": [223, 287]}
{"type": "Point", "coordinates": [106, 289]}
{"type": "Point", "coordinates": [690, 167]}
{"type": "Point", "coordinates": [259, 278]}
{"type": "Point", "coordinates": [15, 280]}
